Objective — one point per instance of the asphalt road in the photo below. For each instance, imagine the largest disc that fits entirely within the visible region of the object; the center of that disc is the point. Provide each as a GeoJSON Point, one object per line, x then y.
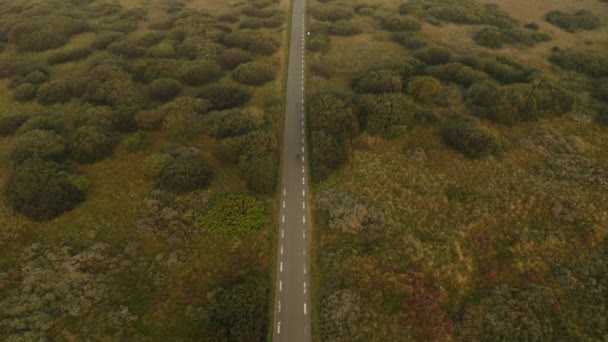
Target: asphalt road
{"type": "Point", "coordinates": [292, 296]}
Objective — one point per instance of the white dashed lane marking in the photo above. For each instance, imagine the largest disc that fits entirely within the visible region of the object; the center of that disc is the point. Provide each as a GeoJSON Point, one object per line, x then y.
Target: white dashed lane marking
{"type": "Point", "coordinates": [281, 249]}
{"type": "Point", "coordinates": [279, 327]}
{"type": "Point", "coordinates": [281, 267]}
{"type": "Point", "coordinates": [305, 309]}
{"type": "Point", "coordinates": [280, 285]}
{"type": "Point", "coordinates": [303, 218]}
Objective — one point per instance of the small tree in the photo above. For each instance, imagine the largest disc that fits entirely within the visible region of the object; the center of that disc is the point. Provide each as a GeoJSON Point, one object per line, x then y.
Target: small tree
{"type": "Point", "coordinates": [40, 191]}
{"type": "Point", "coordinates": [425, 89]}
{"type": "Point", "coordinates": [37, 144]}
{"type": "Point", "coordinates": [224, 97]}
{"type": "Point", "coordinates": [334, 116]}
{"type": "Point", "coordinates": [90, 143]}
{"type": "Point", "coordinates": [53, 92]}
{"type": "Point", "coordinates": [186, 173]}
{"type": "Point", "coordinates": [260, 172]}
{"type": "Point", "coordinates": [161, 50]}
{"type": "Point", "coordinates": [253, 73]}
{"type": "Point", "coordinates": [163, 89]}
{"type": "Point", "coordinates": [378, 81]}
{"type": "Point", "coordinates": [231, 58]}
{"type": "Point", "coordinates": [25, 92]}
{"type": "Point", "coordinates": [182, 126]}
{"type": "Point", "coordinates": [399, 23]}
{"type": "Point", "coordinates": [472, 139]}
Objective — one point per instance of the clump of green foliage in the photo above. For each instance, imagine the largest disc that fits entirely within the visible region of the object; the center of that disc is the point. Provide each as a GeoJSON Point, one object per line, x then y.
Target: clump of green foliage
{"type": "Point", "coordinates": [40, 190]}
{"type": "Point", "coordinates": [163, 89]}
{"type": "Point", "coordinates": [457, 73]}
{"type": "Point", "coordinates": [457, 11]}
{"type": "Point", "coordinates": [579, 20]}
{"type": "Point", "coordinates": [55, 91]}
{"type": "Point", "coordinates": [254, 73]}
{"type": "Point", "coordinates": [590, 64]}
{"type": "Point", "coordinates": [493, 37]}
{"type": "Point", "coordinates": [399, 23]}
{"type": "Point", "coordinates": [186, 172]}
{"type": "Point", "coordinates": [344, 28]}
{"type": "Point", "coordinates": [224, 97]}
{"type": "Point", "coordinates": [234, 214]}
{"type": "Point", "coordinates": [386, 114]}
{"type": "Point", "coordinates": [434, 55]}
{"type": "Point", "coordinates": [408, 40]}
{"type": "Point", "coordinates": [472, 139]}
{"type": "Point", "coordinates": [378, 82]}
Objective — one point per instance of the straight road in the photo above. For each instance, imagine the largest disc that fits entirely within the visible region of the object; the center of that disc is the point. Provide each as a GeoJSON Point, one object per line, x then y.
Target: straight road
{"type": "Point", "coordinates": [292, 296]}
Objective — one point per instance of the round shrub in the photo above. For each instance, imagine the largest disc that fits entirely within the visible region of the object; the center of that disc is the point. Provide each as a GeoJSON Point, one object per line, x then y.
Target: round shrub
{"type": "Point", "coordinates": [36, 76]}
{"type": "Point", "coordinates": [25, 92]}
{"type": "Point", "coordinates": [231, 58]}
{"type": "Point", "coordinates": [483, 95]}
{"type": "Point", "coordinates": [150, 39]}
{"type": "Point", "coordinates": [491, 37]}
{"type": "Point", "coordinates": [254, 73]}
{"type": "Point", "coordinates": [425, 89]}
{"type": "Point", "coordinates": [40, 191]}
{"type": "Point", "coordinates": [53, 92]}
{"type": "Point", "coordinates": [600, 89]}
{"type": "Point", "coordinates": [200, 72]}
{"type": "Point", "coordinates": [234, 214]}
{"type": "Point", "coordinates": [163, 89]}
{"type": "Point", "coordinates": [161, 50]}
{"type": "Point", "coordinates": [532, 26]}
{"type": "Point", "coordinates": [36, 143]}
{"type": "Point", "coordinates": [186, 173]}
{"type": "Point", "coordinates": [408, 40]}
{"type": "Point", "coordinates": [434, 55]}
{"type": "Point", "coordinates": [224, 97]}
{"type": "Point", "coordinates": [457, 73]}
{"type": "Point", "coordinates": [231, 18]}
{"type": "Point", "coordinates": [251, 23]}
{"type": "Point", "coordinates": [472, 139]}
{"type": "Point", "coordinates": [378, 81]}
{"type": "Point", "coordinates": [399, 23]}
{"type": "Point", "coordinates": [90, 143]}
{"type": "Point", "coordinates": [602, 116]}
{"type": "Point", "coordinates": [383, 114]}
{"type": "Point", "coordinates": [154, 165]}
{"type": "Point", "coordinates": [579, 20]}
{"type": "Point", "coordinates": [345, 28]}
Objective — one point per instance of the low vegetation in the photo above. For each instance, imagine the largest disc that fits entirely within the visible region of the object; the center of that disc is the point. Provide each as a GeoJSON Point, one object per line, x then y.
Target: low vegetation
{"type": "Point", "coordinates": [128, 139]}
{"type": "Point", "coordinates": [458, 173]}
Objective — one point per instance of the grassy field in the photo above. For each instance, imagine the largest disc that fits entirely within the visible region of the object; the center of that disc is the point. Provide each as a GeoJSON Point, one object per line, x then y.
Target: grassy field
{"type": "Point", "coordinates": [423, 232]}
{"type": "Point", "coordinates": [139, 258]}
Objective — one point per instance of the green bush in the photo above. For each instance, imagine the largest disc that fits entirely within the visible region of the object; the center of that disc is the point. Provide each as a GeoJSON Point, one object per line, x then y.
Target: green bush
{"type": "Point", "coordinates": [425, 89]}
{"type": "Point", "coordinates": [48, 33]}
{"type": "Point", "coordinates": [64, 56]}
{"type": "Point", "coordinates": [472, 139]}
{"type": "Point", "coordinates": [499, 67]}
{"type": "Point", "coordinates": [25, 92]}
{"type": "Point", "coordinates": [199, 72]}
{"type": "Point", "coordinates": [457, 73]}
{"type": "Point", "coordinates": [399, 23]}
{"type": "Point", "coordinates": [434, 55]}
{"type": "Point", "coordinates": [252, 41]}
{"type": "Point", "coordinates": [579, 20]}
{"type": "Point", "coordinates": [258, 13]}
{"type": "Point", "coordinates": [163, 89]}
{"type": "Point", "coordinates": [328, 154]}
{"type": "Point", "coordinates": [38, 144]}
{"type": "Point", "coordinates": [154, 165]}
{"type": "Point", "coordinates": [231, 18]}
{"type": "Point", "coordinates": [344, 28]}
{"type": "Point", "coordinates": [161, 50]}
{"type": "Point", "coordinates": [254, 73]}
{"type": "Point", "coordinates": [105, 38]}
{"type": "Point", "coordinates": [234, 122]}
{"type": "Point", "coordinates": [90, 143]}
{"type": "Point", "coordinates": [458, 11]}
{"type": "Point", "coordinates": [378, 82]}
{"type": "Point", "coordinates": [483, 97]}
{"type": "Point", "coordinates": [331, 13]}
{"type": "Point", "coordinates": [187, 172]}
{"type": "Point", "coordinates": [56, 91]}
{"type": "Point", "coordinates": [239, 312]}
{"type": "Point", "coordinates": [334, 116]}
{"type": "Point", "coordinates": [408, 40]}
{"type": "Point", "coordinates": [590, 64]}
{"type": "Point", "coordinates": [231, 58]}
{"type": "Point", "coordinates": [224, 97]}
{"type": "Point", "coordinates": [9, 123]}
{"type": "Point", "coordinates": [491, 37]}
{"type": "Point", "coordinates": [379, 113]}
{"type": "Point", "coordinates": [234, 214]}
{"type": "Point", "coordinates": [40, 191]}
{"type": "Point", "coordinates": [261, 172]}
{"type": "Point", "coordinates": [495, 38]}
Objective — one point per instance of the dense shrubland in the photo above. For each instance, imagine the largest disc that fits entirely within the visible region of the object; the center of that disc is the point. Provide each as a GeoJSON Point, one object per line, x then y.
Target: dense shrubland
{"type": "Point", "coordinates": [455, 186]}
{"type": "Point", "coordinates": [126, 145]}
{"type": "Point", "coordinates": [579, 20]}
